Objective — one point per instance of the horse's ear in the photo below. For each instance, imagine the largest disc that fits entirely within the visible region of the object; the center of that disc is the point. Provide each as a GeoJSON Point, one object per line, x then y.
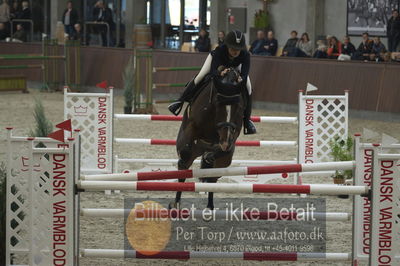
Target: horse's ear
{"type": "Point", "coordinates": [221, 68]}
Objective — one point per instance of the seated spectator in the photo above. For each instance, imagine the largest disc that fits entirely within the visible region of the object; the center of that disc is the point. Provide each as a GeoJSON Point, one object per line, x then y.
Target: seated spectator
{"type": "Point", "coordinates": [3, 32]}
{"type": "Point", "coordinates": [348, 48]}
{"type": "Point", "coordinates": [303, 46]}
{"type": "Point", "coordinates": [203, 43]}
{"type": "Point", "coordinates": [20, 34]}
{"type": "Point", "coordinates": [221, 37]}
{"type": "Point", "coordinates": [334, 48]}
{"type": "Point", "coordinates": [364, 49]}
{"type": "Point", "coordinates": [395, 57]}
{"type": "Point", "coordinates": [258, 46]}
{"type": "Point", "coordinates": [77, 34]}
{"type": "Point", "coordinates": [378, 50]}
{"type": "Point", "coordinates": [321, 50]}
{"type": "Point", "coordinates": [271, 44]}
{"type": "Point", "coordinates": [290, 46]}
{"type": "Point", "coordinates": [69, 18]}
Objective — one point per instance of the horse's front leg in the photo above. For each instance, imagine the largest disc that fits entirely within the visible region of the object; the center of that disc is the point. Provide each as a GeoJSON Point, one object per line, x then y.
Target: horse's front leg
{"type": "Point", "coordinates": [208, 161]}
{"type": "Point", "coordinates": [187, 154]}
{"type": "Point", "coordinates": [220, 160]}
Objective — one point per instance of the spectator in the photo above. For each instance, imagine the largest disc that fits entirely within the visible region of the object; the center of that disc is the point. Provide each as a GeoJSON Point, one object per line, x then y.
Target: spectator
{"type": "Point", "coordinates": [77, 34]}
{"type": "Point", "coordinates": [334, 48]}
{"type": "Point", "coordinates": [378, 50]}
{"type": "Point", "coordinates": [364, 49]}
{"type": "Point", "coordinates": [15, 10]}
{"type": "Point", "coordinates": [393, 31]}
{"type": "Point", "coordinates": [328, 39]}
{"type": "Point", "coordinates": [20, 34]}
{"type": "Point", "coordinates": [271, 44]}
{"type": "Point", "coordinates": [5, 13]}
{"type": "Point", "coordinates": [69, 19]}
{"type": "Point", "coordinates": [258, 46]}
{"type": "Point", "coordinates": [3, 32]}
{"type": "Point", "coordinates": [321, 50]}
{"type": "Point", "coordinates": [348, 48]}
{"type": "Point", "coordinates": [221, 37]}
{"type": "Point", "coordinates": [26, 12]}
{"type": "Point", "coordinates": [290, 46]}
{"type": "Point", "coordinates": [103, 14]}
{"type": "Point", "coordinates": [203, 43]}
{"type": "Point", "coordinates": [304, 46]}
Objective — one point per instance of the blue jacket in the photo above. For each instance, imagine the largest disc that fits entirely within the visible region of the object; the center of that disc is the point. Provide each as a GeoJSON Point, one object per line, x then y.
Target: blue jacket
{"type": "Point", "coordinates": [257, 47]}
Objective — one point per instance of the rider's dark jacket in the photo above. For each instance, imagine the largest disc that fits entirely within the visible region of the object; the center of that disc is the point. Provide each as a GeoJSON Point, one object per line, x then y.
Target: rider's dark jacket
{"type": "Point", "coordinates": [220, 57]}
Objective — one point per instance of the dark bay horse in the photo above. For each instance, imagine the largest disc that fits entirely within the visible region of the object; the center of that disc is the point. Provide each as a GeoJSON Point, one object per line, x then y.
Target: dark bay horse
{"type": "Point", "coordinates": [210, 126]}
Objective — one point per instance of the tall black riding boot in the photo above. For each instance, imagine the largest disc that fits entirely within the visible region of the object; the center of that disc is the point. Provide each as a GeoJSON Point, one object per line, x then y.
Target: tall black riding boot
{"type": "Point", "coordinates": [187, 95]}
{"type": "Point", "coordinates": [248, 125]}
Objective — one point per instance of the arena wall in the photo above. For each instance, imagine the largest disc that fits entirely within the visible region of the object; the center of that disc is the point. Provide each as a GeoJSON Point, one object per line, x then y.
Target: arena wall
{"type": "Point", "coordinates": [373, 87]}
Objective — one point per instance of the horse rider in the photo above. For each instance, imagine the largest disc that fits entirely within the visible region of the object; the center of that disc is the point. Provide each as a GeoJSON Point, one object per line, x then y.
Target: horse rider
{"type": "Point", "coordinates": [233, 53]}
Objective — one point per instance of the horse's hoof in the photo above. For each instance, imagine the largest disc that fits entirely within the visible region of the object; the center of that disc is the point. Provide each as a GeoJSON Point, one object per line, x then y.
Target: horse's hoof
{"type": "Point", "coordinates": [173, 205]}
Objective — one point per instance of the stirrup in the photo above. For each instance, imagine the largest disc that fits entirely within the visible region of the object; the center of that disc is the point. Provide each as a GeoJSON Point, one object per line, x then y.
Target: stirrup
{"type": "Point", "coordinates": [175, 107]}
{"type": "Point", "coordinates": [249, 127]}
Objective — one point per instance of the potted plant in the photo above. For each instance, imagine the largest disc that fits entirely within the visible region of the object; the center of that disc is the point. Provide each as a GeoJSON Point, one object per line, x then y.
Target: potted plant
{"type": "Point", "coordinates": [129, 82]}
{"type": "Point", "coordinates": [342, 150]}
{"type": "Point", "coordinates": [261, 22]}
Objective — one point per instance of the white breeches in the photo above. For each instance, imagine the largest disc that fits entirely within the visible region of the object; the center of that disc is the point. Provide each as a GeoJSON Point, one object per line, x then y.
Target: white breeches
{"type": "Point", "coordinates": [206, 68]}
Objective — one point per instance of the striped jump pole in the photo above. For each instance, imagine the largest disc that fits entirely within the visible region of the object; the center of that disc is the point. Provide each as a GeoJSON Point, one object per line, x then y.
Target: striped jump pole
{"type": "Point", "coordinates": [231, 171]}
{"type": "Point", "coordinates": [312, 189]}
{"type": "Point", "coordinates": [187, 255]}
{"type": "Point", "coordinates": [239, 143]}
{"type": "Point", "coordinates": [256, 119]}
{"type": "Point", "coordinates": [215, 214]}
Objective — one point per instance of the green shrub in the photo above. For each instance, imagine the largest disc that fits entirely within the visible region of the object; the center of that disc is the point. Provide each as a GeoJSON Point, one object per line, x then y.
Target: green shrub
{"type": "Point", "coordinates": [3, 192]}
{"type": "Point", "coordinates": [261, 19]}
{"type": "Point", "coordinates": [129, 82]}
{"type": "Point", "coordinates": [43, 125]}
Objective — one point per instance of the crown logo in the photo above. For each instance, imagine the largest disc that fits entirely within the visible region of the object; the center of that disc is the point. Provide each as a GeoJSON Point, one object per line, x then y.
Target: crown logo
{"type": "Point", "coordinates": [80, 110]}
{"type": "Point", "coordinates": [26, 165]}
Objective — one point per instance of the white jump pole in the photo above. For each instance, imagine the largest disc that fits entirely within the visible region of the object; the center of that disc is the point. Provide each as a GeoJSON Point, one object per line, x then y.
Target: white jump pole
{"type": "Point", "coordinates": [218, 214]}
{"type": "Point", "coordinates": [186, 255]}
{"type": "Point", "coordinates": [223, 187]}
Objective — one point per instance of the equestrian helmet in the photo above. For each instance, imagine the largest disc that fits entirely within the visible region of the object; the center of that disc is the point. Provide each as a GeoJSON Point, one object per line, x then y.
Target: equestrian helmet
{"type": "Point", "coordinates": [236, 40]}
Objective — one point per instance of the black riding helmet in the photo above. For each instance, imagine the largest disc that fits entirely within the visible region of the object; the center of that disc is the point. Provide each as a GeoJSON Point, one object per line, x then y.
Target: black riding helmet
{"type": "Point", "coordinates": [235, 39]}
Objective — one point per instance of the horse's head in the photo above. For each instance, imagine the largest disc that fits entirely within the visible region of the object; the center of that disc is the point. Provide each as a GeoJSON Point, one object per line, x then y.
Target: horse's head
{"type": "Point", "coordinates": [230, 109]}
{"type": "Point", "coordinates": [231, 77]}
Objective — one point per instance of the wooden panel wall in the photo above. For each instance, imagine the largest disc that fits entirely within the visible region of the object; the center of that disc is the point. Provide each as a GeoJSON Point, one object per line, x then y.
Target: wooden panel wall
{"type": "Point", "coordinates": [373, 86]}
